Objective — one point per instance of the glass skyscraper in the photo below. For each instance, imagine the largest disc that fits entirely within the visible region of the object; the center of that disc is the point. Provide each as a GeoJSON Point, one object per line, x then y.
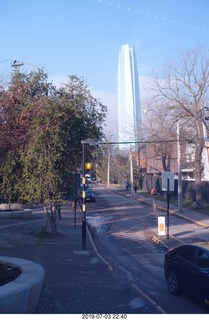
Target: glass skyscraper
{"type": "Point", "coordinates": [129, 109]}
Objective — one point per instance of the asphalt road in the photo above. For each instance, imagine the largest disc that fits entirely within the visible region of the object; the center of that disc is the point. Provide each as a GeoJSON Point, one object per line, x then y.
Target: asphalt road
{"type": "Point", "coordinates": [121, 228]}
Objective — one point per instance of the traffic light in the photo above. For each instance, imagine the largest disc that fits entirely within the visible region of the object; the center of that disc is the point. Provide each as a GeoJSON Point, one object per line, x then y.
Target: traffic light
{"type": "Point", "coordinates": [88, 166]}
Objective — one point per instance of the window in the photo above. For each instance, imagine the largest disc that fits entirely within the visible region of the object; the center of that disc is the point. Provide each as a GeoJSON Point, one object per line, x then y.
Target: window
{"type": "Point", "coordinates": [187, 253]}
{"type": "Point", "coordinates": [202, 259]}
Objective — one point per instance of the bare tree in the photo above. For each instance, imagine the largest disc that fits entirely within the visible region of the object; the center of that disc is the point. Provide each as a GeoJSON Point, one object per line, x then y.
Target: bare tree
{"type": "Point", "coordinates": [184, 87]}
{"type": "Point", "coordinates": [159, 132]}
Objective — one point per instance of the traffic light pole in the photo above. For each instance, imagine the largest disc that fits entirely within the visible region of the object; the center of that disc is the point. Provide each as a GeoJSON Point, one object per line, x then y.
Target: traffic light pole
{"type": "Point", "coordinates": [83, 200]}
{"type": "Point", "coordinates": [90, 142]}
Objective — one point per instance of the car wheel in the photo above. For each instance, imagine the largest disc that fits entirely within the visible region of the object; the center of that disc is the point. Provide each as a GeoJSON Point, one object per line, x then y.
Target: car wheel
{"type": "Point", "coordinates": [173, 285]}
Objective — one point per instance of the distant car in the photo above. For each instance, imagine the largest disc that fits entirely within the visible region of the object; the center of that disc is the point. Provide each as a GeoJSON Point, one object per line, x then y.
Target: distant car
{"type": "Point", "coordinates": [88, 180]}
{"type": "Point", "coordinates": [186, 269]}
{"type": "Point", "coordinates": [90, 195]}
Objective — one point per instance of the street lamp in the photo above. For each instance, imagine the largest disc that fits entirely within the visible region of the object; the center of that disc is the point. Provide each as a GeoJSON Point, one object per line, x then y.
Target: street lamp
{"type": "Point", "coordinates": [108, 160]}
{"type": "Point", "coordinates": [90, 142]}
{"type": "Point", "coordinates": [180, 198]}
{"type": "Point", "coordinates": [108, 168]}
{"type": "Point", "coordinates": [17, 64]}
{"type": "Point", "coordinates": [131, 171]}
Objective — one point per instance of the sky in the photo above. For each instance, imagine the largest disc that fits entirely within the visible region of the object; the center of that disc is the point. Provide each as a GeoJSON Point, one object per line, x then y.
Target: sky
{"type": "Point", "coordinates": [83, 37]}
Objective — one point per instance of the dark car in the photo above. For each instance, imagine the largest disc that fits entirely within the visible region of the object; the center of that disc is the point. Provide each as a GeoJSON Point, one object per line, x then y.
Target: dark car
{"type": "Point", "coordinates": [186, 269]}
{"type": "Point", "coordinates": [90, 195]}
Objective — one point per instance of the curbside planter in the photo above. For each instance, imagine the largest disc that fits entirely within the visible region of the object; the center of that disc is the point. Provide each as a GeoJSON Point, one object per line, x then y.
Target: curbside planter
{"type": "Point", "coordinates": [22, 294]}
{"type": "Point", "coordinates": [18, 214]}
{"type": "Point", "coordinates": [11, 206]}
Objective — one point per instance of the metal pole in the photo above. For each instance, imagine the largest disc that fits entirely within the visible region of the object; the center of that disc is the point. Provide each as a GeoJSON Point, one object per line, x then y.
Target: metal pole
{"type": "Point", "coordinates": [108, 159]}
{"type": "Point", "coordinates": [168, 198]}
{"type": "Point", "coordinates": [108, 168]}
{"type": "Point", "coordinates": [83, 201]}
{"type": "Point", "coordinates": [74, 213]}
{"type": "Point", "coordinates": [131, 172]}
{"type": "Point", "coordinates": [179, 170]}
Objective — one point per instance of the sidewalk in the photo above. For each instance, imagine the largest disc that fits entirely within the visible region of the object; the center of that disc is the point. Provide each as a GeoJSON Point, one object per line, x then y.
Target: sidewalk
{"type": "Point", "coordinates": [76, 281]}
{"type": "Point", "coordinates": [192, 226]}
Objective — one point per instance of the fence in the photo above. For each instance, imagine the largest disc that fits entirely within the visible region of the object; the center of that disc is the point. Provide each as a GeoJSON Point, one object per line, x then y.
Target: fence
{"type": "Point", "coordinates": [188, 188]}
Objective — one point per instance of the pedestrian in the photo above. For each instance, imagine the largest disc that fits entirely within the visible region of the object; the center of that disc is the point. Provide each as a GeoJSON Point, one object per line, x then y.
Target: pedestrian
{"type": "Point", "coordinates": [141, 182]}
{"type": "Point", "coordinates": [127, 187]}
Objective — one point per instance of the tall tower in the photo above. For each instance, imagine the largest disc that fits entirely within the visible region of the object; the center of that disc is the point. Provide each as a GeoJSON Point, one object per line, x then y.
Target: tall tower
{"type": "Point", "coordinates": [129, 110]}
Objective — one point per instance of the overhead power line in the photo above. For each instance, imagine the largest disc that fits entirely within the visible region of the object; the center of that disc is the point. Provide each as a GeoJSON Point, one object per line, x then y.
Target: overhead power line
{"type": "Point", "coordinates": [149, 141]}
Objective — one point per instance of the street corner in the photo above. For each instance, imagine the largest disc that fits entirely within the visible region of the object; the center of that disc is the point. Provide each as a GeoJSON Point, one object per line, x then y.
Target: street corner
{"type": "Point", "coordinates": [163, 241]}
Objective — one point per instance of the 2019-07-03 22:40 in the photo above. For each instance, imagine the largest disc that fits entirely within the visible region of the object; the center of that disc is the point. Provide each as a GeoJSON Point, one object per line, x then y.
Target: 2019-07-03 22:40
{"type": "Point", "coordinates": [103, 316]}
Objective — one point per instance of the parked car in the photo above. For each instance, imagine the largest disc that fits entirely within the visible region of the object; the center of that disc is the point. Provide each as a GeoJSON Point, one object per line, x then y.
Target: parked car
{"type": "Point", "coordinates": [90, 195]}
{"type": "Point", "coordinates": [186, 269]}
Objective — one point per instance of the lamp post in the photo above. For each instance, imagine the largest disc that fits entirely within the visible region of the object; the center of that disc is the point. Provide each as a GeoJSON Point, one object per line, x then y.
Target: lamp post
{"type": "Point", "coordinates": [108, 168]}
{"type": "Point", "coordinates": [17, 64]}
{"type": "Point", "coordinates": [131, 171]}
{"type": "Point", "coordinates": [108, 160]}
{"type": "Point", "coordinates": [180, 206]}
{"type": "Point", "coordinates": [90, 142]}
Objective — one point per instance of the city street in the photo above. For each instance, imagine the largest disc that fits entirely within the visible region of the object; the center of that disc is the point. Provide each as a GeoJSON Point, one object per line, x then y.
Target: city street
{"type": "Point", "coordinates": [122, 229]}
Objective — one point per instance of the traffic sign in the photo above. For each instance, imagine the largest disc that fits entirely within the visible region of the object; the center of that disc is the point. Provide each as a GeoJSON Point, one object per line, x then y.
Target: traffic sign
{"type": "Point", "coordinates": [167, 181]}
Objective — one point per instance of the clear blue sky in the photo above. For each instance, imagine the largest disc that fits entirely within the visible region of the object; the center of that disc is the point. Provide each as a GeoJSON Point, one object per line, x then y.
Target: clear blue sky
{"type": "Point", "coordinates": [83, 36]}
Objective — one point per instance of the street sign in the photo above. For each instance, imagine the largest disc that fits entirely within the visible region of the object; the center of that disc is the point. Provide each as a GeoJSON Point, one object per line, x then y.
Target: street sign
{"type": "Point", "coordinates": [167, 177]}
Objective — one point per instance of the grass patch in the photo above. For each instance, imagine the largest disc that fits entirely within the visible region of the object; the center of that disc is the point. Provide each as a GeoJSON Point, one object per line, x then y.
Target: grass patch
{"type": "Point", "coordinates": [42, 234]}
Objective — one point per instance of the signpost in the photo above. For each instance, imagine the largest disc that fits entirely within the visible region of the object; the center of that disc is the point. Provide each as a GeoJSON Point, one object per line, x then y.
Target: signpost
{"type": "Point", "coordinates": [86, 166]}
{"type": "Point", "coordinates": [168, 185]}
{"type": "Point", "coordinates": [167, 175]}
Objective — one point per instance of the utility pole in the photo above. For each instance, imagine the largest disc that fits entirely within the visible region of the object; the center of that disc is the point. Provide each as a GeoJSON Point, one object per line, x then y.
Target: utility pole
{"type": "Point", "coordinates": [90, 142]}
{"type": "Point", "coordinates": [131, 171]}
{"type": "Point", "coordinates": [108, 167]}
{"type": "Point", "coordinates": [108, 159]}
{"type": "Point", "coordinates": [179, 169]}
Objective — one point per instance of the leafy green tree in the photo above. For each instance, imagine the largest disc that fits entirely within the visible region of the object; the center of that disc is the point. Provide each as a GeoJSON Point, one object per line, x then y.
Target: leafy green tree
{"type": "Point", "coordinates": [19, 106]}
{"type": "Point", "coordinates": [57, 142]}
{"type": "Point", "coordinates": [10, 173]}
{"type": "Point", "coordinates": [51, 155]}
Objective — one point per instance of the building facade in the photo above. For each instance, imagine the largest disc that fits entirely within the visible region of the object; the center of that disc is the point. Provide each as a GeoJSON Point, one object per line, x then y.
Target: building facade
{"type": "Point", "coordinates": [129, 109]}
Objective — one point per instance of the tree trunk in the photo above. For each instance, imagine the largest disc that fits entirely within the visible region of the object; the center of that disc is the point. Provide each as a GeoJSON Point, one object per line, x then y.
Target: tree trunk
{"type": "Point", "coordinates": [51, 215]}
{"type": "Point", "coordinates": [166, 161]}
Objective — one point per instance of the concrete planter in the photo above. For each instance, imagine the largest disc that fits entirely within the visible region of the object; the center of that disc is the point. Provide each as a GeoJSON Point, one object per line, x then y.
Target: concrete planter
{"type": "Point", "coordinates": [22, 294]}
{"type": "Point", "coordinates": [11, 206]}
{"type": "Point", "coordinates": [18, 214]}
